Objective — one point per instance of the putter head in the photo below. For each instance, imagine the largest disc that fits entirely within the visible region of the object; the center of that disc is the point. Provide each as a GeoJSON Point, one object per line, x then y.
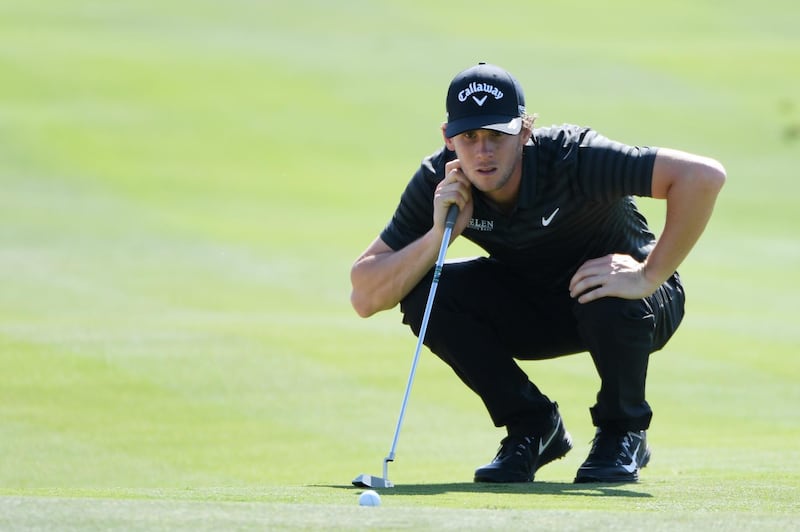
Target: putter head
{"type": "Point", "coordinates": [368, 481]}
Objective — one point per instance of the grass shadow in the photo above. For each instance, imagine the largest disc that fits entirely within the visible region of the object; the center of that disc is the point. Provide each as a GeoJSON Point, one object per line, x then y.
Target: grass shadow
{"type": "Point", "coordinates": [543, 488]}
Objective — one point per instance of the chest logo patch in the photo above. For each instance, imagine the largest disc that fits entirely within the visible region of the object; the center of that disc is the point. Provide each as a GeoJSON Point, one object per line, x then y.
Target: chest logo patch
{"type": "Point", "coordinates": [481, 225]}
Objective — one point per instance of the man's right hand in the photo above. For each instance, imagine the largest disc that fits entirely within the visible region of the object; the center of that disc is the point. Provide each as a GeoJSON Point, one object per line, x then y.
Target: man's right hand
{"type": "Point", "coordinates": [454, 189]}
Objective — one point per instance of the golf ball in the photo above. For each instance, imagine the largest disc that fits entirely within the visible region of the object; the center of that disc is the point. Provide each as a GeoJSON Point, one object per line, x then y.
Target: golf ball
{"type": "Point", "coordinates": [369, 498]}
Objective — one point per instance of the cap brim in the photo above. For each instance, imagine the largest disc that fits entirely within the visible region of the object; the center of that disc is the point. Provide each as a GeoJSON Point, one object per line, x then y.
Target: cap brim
{"type": "Point", "coordinates": [502, 124]}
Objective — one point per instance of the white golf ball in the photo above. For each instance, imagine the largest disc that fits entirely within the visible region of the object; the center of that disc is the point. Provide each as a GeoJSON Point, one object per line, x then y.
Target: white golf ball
{"type": "Point", "coordinates": [369, 498]}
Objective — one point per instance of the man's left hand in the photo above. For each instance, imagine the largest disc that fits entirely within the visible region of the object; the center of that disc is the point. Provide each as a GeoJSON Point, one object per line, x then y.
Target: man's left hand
{"type": "Point", "coordinates": [610, 276]}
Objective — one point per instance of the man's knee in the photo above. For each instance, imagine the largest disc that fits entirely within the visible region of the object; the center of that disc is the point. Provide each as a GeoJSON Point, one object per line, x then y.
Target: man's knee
{"type": "Point", "coordinates": [413, 305]}
{"type": "Point", "coordinates": [455, 291]}
{"type": "Point", "coordinates": [651, 320]}
{"type": "Point", "coordinates": [612, 319]}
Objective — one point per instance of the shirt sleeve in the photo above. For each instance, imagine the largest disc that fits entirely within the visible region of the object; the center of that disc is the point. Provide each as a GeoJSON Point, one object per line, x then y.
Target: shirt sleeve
{"type": "Point", "coordinates": [608, 170]}
{"type": "Point", "coordinates": [414, 214]}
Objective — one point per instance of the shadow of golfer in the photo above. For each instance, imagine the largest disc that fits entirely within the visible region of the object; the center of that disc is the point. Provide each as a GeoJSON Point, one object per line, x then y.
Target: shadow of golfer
{"type": "Point", "coordinates": [533, 488]}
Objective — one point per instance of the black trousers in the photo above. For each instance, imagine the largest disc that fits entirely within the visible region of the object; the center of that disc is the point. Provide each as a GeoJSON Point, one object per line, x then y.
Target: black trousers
{"type": "Point", "coordinates": [487, 314]}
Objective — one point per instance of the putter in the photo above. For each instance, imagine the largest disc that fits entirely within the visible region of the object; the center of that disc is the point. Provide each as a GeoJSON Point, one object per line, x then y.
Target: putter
{"type": "Point", "coordinates": [369, 481]}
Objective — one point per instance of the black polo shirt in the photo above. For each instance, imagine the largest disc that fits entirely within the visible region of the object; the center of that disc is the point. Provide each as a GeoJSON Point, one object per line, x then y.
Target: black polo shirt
{"type": "Point", "coordinates": [575, 204]}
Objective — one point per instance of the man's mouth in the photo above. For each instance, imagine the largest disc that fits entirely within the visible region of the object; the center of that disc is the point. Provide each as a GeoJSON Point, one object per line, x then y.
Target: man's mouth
{"type": "Point", "coordinates": [486, 170]}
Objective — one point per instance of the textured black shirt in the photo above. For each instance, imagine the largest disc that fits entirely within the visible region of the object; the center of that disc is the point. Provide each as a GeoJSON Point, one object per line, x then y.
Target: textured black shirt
{"type": "Point", "coordinates": [575, 203]}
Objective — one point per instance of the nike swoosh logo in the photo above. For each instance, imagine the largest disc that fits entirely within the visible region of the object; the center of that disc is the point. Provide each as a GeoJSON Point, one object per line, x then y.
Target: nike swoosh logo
{"type": "Point", "coordinates": [630, 468]}
{"type": "Point", "coordinates": [544, 444]}
{"type": "Point", "coordinates": [480, 101]}
{"type": "Point", "coordinates": [546, 221]}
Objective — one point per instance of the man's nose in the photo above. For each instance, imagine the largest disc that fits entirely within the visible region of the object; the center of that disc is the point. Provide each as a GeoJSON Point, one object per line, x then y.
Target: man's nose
{"type": "Point", "coordinates": [485, 145]}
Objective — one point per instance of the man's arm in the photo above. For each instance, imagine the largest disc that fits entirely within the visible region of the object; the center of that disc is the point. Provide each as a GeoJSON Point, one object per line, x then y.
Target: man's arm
{"type": "Point", "coordinates": [690, 184]}
{"type": "Point", "coordinates": [382, 277]}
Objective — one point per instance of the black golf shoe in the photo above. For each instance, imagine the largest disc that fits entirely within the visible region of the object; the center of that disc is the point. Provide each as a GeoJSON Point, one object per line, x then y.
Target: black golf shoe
{"type": "Point", "coordinates": [615, 457]}
{"type": "Point", "coordinates": [520, 457]}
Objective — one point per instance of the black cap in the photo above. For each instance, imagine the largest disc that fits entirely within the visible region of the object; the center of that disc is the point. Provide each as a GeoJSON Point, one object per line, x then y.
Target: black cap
{"type": "Point", "coordinates": [484, 97]}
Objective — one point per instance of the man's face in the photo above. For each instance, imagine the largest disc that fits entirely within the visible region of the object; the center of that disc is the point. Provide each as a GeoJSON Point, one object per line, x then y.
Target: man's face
{"type": "Point", "coordinates": [488, 158]}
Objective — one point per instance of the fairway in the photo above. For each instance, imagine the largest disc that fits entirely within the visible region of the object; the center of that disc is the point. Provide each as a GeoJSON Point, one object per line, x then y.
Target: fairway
{"type": "Point", "coordinates": [184, 187]}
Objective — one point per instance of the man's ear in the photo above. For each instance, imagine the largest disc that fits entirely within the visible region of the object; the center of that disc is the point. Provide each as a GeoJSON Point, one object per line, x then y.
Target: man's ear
{"type": "Point", "coordinates": [447, 141]}
{"type": "Point", "coordinates": [525, 134]}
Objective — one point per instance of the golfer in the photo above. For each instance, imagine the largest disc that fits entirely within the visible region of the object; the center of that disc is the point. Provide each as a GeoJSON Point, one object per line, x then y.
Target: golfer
{"type": "Point", "coordinates": [571, 267]}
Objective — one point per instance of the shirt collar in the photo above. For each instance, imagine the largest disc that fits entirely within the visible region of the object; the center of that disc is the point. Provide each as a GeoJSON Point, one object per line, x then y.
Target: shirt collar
{"type": "Point", "coordinates": [527, 186]}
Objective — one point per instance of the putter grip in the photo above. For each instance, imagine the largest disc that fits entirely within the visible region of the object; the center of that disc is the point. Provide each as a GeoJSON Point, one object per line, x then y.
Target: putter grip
{"type": "Point", "coordinates": [452, 214]}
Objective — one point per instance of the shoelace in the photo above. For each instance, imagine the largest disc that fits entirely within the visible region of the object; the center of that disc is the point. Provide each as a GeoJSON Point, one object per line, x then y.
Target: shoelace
{"type": "Point", "coordinates": [607, 445]}
{"type": "Point", "coordinates": [513, 445]}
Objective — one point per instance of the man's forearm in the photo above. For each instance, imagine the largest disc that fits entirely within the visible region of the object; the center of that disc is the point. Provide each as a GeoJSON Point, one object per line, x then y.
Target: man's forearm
{"type": "Point", "coordinates": [382, 279]}
{"type": "Point", "coordinates": [690, 202]}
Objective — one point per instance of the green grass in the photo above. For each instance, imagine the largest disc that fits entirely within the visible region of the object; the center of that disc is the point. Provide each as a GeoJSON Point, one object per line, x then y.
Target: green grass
{"type": "Point", "coordinates": [184, 188]}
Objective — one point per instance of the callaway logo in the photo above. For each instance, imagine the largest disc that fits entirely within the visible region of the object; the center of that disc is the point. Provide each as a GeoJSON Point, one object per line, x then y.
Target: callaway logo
{"type": "Point", "coordinates": [476, 87]}
{"type": "Point", "coordinates": [543, 444]}
{"type": "Point", "coordinates": [546, 221]}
